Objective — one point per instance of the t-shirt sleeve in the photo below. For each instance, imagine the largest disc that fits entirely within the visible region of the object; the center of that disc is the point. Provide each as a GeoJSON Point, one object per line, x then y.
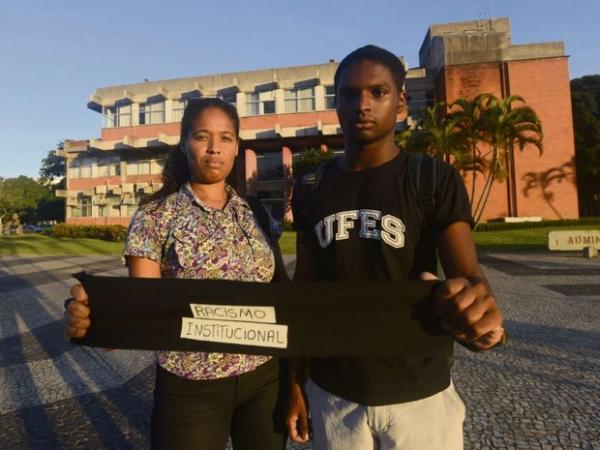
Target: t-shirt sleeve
{"type": "Point", "coordinates": [451, 200]}
{"type": "Point", "coordinates": [143, 236]}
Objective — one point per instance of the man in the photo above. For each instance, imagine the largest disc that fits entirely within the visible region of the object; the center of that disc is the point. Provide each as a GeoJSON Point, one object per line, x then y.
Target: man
{"type": "Point", "coordinates": [365, 223]}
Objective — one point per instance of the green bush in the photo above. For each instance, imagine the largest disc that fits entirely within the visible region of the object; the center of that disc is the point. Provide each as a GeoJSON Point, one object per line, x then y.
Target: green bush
{"type": "Point", "coordinates": [113, 233]}
{"type": "Point", "coordinates": [502, 226]}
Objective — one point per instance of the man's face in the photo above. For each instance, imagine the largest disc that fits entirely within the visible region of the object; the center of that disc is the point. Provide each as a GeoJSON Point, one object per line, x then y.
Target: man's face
{"type": "Point", "coordinates": [368, 102]}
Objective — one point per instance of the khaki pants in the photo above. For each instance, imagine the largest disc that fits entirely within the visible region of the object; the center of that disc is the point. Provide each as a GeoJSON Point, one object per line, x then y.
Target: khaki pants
{"type": "Point", "coordinates": [431, 423]}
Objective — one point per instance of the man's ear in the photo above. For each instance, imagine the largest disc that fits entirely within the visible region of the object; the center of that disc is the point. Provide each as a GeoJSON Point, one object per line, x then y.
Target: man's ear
{"type": "Point", "coordinates": [402, 107]}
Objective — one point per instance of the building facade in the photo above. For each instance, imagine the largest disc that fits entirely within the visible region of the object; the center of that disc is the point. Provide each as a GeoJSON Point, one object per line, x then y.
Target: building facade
{"type": "Point", "coordinates": [286, 110]}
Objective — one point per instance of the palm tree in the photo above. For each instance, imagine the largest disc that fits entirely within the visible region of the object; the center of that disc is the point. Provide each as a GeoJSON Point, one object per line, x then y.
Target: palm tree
{"type": "Point", "coordinates": [503, 125]}
{"type": "Point", "coordinates": [434, 134]}
{"type": "Point", "coordinates": [466, 114]}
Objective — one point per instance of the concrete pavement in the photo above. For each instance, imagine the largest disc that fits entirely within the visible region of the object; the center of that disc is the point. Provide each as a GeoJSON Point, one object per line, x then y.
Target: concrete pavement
{"type": "Point", "coordinates": [538, 392]}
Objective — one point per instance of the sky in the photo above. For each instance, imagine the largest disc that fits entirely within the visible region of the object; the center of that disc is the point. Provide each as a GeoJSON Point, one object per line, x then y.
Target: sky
{"type": "Point", "coordinates": [55, 53]}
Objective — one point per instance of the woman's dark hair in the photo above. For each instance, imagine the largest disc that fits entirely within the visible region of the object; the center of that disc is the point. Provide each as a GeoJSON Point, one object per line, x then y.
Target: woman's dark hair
{"type": "Point", "coordinates": [176, 171]}
{"type": "Point", "coordinates": [378, 55]}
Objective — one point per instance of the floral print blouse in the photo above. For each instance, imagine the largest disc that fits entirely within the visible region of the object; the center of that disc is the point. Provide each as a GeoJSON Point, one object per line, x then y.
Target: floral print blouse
{"type": "Point", "coordinates": [192, 240]}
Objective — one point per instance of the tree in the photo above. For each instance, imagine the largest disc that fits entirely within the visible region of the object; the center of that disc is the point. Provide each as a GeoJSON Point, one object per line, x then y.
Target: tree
{"type": "Point", "coordinates": [460, 134]}
{"type": "Point", "coordinates": [434, 134]}
{"type": "Point", "coordinates": [308, 160]}
{"type": "Point", "coordinates": [503, 125]}
{"type": "Point", "coordinates": [447, 135]}
{"type": "Point", "coordinates": [22, 196]}
{"type": "Point", "coordinates": [52, 174]}
{"type": "Point", "coordinates": [585, 97]}
{"type": "Point", "coordinates": [53, 166]}
{"type": "Point", "coordinates": [467, 117]}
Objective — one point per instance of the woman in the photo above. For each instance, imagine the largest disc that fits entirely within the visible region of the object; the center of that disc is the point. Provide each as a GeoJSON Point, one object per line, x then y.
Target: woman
{"type": "Point", "coordinates": [196, 226]}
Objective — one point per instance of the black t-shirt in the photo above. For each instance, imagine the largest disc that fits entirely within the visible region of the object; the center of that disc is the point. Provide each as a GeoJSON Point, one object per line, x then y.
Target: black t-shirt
{"type": "Point", "coordinates": [368, 225]}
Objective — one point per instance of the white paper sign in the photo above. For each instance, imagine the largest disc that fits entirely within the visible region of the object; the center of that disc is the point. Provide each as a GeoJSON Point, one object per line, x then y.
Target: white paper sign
{"type": "Point", "coordinates": [235, 332]}
{"type": "Point", "coordinates": [265, 314]}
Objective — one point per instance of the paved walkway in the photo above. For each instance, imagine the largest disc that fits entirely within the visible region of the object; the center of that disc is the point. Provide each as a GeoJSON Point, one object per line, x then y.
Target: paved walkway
{"type": "Point", "coordinates": [539, 392]}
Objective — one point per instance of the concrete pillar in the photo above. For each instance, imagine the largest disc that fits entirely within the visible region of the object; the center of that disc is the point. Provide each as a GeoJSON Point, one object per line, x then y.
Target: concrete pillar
{"type": "Point", "coordinates": [288, 183]}
{"type": "Point", "coordinates": [251, 171]}
{"type": "Point", "coordinates": [240, 104]}
{"type": "Point", "coordinates": [168, 111]}
{"type": "Point", "coordinates": [319, 97]}
{"type": "Point", "coordinates": [135, 114]}
{"type": "Point", "coordinates": [279, 101]}
{"type": "Point", "coordinates": [123, 164]}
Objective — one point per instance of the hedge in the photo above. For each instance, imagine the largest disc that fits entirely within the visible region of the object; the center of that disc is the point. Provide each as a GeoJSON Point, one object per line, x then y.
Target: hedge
{"type": "Point", "coordinates": [503, 226]}
{"type": "Point", "coordinates": [114, 233]}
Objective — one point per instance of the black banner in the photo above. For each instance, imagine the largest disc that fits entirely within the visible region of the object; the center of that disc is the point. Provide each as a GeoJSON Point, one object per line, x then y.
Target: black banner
{"type": "Point", "coordinates": [316, 319]}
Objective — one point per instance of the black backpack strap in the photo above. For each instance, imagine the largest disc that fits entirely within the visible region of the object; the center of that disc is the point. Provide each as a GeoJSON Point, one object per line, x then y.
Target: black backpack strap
{"type": "Point", "coordinates": [423, 176]}
{"type": "Point", "coordinates": [262, 216]}
{"type": "Point", "coordinates": [264, 220]}
{"type": "Point", "coordinates": [304, 191]}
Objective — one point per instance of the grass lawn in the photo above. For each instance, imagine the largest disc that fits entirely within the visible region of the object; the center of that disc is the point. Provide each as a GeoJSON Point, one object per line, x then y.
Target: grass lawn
{"type": "Point", "coordinates": [37, 244]}
{"type": "Point", "coordinates": [287, 243]}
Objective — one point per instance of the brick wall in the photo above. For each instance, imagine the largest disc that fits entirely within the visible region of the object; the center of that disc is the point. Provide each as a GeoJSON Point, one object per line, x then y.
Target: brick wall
{"type": "Point", "coordinates": [544, 185]}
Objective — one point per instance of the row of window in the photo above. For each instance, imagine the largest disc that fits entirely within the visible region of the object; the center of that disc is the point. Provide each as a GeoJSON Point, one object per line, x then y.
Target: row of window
{"type": "Point", "coordinates": [83, 168]}
{"type": "Point", "coordinates": [112, 207]}
{"type": "Point", "coordinates": [295, 100]}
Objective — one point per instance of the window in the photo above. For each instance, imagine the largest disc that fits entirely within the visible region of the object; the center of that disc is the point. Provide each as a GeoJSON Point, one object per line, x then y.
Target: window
{"type": "Point", "coordinates": [298, 100]}
{"type": "Point", "coordinates": [117, 116]}
{"type": "Point", "coordinates": [329, 97]}
{"type": "Point", "coordinates": [85, 171]}
{"type": "Point", "coordinates": [83, 208]}
{"type": "Point", "coordinates": [178, 108]}
{"type": "Point", "coordinates": [252, 104]}
{"type": "Point", "coordinates": [80, 168]}
{"type": "Point", "coordinates": [229, 97]}
{"type": "Point", "coordinates": [74, 171]}
{"type": "Point", "coordinates": [141, 167]}
{"type": "Point", "coordinates": [160, 165]}
{"type": "Point", "coordinates": [144, 168]}
{"type": "Point", "coordinates": [269, 166]}
{"type": "Point", "coordinates": [152, 112]}
{"type": "Point", "coordinates": [109, 168]}
{"type": "Point", "coordinates": [269, 107]}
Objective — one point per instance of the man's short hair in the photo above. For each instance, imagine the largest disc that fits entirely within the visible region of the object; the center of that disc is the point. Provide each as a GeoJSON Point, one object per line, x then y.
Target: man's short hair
{"type": "Point", "coordinates": [378, 55]}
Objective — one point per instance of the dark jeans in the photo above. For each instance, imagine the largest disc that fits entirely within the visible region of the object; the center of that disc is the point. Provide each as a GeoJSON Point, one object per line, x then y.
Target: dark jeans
{"type": "Point", "coordinates": [190, 414]}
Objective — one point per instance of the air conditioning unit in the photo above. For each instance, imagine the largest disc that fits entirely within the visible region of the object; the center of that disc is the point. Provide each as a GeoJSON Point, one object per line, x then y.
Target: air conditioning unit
{"type": "Point", "coordinates": [99, 199]}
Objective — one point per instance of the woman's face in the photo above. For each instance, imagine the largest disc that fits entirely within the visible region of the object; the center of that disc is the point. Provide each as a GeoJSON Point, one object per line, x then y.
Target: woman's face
{"type": "Point", "coordinates": [211, 147]}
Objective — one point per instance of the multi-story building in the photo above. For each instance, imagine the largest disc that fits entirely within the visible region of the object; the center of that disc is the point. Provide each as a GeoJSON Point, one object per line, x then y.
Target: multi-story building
{"type": "Point", "coordinates": [286, 110]}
